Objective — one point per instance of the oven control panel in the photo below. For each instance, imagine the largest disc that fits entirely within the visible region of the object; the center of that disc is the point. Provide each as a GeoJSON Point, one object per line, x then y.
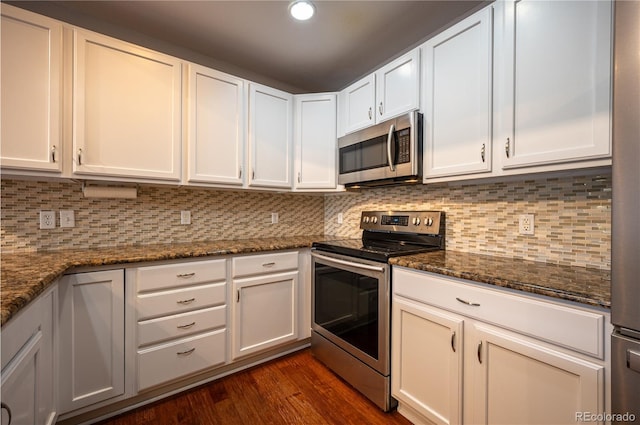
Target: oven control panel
{"type": "Point", "coordinates": [423, 222]}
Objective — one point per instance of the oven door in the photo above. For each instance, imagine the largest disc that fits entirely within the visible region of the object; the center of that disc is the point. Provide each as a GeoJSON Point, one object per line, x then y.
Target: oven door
{"type": "Point", "coordinates": [351, 306]}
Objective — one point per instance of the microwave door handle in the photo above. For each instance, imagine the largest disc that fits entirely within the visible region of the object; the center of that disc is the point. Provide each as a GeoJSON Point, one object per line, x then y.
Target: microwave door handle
{"type": "Point", "coordinates": [392, 130]}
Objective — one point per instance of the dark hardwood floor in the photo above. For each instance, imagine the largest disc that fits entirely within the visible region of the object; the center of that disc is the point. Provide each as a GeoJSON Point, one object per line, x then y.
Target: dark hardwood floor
{"type": "Point", "coordinates": [296, 389]}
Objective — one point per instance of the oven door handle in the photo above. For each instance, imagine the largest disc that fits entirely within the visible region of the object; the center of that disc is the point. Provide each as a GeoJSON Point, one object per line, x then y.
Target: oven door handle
{"type": "Point", "coordinates": [348, 263]}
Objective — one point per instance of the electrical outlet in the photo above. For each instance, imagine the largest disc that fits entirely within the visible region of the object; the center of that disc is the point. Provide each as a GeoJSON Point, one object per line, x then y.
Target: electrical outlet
{"type": "Point", "coordinates": [274, 218]}
{"type": "Point", "coordinates": [340, 218]}
{"type": "Point", "coordinates": [67, 218]}
{"type": "Point", "coordinates": [185, 217]}
{"type": "Point", "coordinates": [526, 224]}
{"type": "Point", "coordinates": [47, 220]}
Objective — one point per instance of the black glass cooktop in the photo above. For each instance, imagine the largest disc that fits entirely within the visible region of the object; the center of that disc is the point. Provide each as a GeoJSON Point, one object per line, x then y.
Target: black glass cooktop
{"type": "Point", "coordinates": [372, 250]}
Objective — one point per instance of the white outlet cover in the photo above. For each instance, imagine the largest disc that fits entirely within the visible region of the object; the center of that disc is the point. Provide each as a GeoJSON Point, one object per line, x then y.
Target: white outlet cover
{"type": "Point", "coordinates": [47, 220]}
{"type": "Point", "coordinates": [185, 217]}
{"type": "Point", "coordinates": [274, 218]}
{"type": "Point", "coordinates": [67, 218]}
{"type": "Point", "coordinates": [526, 224]}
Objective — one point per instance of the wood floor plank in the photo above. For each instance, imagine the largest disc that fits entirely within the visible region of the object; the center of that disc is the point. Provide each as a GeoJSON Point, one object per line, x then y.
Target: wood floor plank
{"type": "Point", "coordinates": [293, 390]}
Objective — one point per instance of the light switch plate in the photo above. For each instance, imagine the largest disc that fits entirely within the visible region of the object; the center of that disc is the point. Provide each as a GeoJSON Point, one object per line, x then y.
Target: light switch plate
{"type": "Point", "coordinates": [185, 217]}
{"type": "Point", "coordinates": [67, 218]}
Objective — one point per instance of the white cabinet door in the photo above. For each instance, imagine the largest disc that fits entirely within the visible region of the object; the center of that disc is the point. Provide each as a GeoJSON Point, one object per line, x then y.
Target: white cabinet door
{"type": "Point", "coordinates": [457, 98]}
{"type": "Point", "coordinates": [217, 119]}
{"type": "Point", "coordinates": [31, 108]}
{"type": "Point", "coordinates": [398, 86]}
{"type": "Point", "coordinates": [265, 312]}
{"type": "Point", "coordinates": [426, 369]}
{"type": "Point", "coordinates": [554, 74]}
{"type": "Point", "coordinates": [28, 364]}
{"type": "Point", "coordinates": [358, 101]}
{"type": "Point", "coordinates": [91, 338]}
{"type": "Point", "coordinates": [127, 110]}
{"type": "Point", "coordinates": [315, 141]}
{"type": "Point", "coordinates": [521, 381]}
{"type": "Point", "coordinates": [270, 115]}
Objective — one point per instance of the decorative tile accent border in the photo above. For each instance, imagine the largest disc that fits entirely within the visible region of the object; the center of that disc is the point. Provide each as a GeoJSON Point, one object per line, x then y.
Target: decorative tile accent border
{"type": "Point", "coordinates": [572, 216]}
{"type": "Point", "coordinates": [154, 217]}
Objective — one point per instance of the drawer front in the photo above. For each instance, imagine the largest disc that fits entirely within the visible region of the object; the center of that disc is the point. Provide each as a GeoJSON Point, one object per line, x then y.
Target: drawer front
{"type": "Point", "coordinates": [165, 363]}
{"type": "Point", "coordinates": [261, 264]}
{"type": "Point", "coordinates": [574, 328]}
{"type": "Point", "coordinates": [180, 325]}
{"type": "Point", "coordinates": [154, 278]}
{"type": "Point", "coordinates": [163, 303]}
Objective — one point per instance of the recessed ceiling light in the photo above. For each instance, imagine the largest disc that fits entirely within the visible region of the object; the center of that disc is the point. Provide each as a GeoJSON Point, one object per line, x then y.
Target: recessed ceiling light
{"type": "Point", "coordinates": [302, 9]}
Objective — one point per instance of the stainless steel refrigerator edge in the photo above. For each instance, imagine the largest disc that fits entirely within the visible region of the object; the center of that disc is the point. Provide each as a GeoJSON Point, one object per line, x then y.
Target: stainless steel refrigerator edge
{"type": "Point", "coordinates": [625, 220]}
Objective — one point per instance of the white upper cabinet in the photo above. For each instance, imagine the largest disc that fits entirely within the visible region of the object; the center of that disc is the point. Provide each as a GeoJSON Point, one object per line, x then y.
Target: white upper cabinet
{"type": "Point", "coordinates": [457, 76]}
{"type": "Point", "coordinates": [398, 86]}
{"type": "Point", "coordinates": [217, 122]}
{"type": "Point", "coordinates": [31, 91]}
{"type": "Point", "coordinates": [358, 101]}
{"type": "Point", "coordinates": [127, 110]}
{"type": "Point", "coordinates": [389, 92]}
{"type": "Point", "coordinates": [553, 65]}
{"type": "Point", "coordinates": [315, 141]}
{"type": "Point", "coordinates": [270, 138]}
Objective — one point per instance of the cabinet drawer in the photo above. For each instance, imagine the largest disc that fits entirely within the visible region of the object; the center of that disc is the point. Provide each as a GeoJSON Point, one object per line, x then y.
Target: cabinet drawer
{"type": "Point", "coordinates": [164, 363]}
{"type": "Point", "coordinates": [176, 275]}
{"type": "Point", "coordinates": [261, 264]}
{"type": "Point", "coordinates": [574, 328]}
{"type": "Point", "coordinates": [180, 300]}
{"type": "Point", "coordinates": [181, 325]}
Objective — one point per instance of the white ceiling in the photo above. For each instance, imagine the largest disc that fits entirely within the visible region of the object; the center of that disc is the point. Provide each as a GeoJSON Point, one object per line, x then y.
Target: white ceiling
{"type": "Point", "coordinates": [258, 40]}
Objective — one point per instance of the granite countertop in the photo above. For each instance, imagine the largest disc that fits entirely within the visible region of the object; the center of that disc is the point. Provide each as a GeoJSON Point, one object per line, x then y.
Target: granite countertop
{"type": "Point", "coordinates": [579, 284]}
{"type": "Point", "coordinates": [26, 275]}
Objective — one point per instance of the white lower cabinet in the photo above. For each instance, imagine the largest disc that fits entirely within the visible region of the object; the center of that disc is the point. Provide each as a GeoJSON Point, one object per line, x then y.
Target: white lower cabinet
{"type": "Point", "coordinates": [455, 364]}
{"type": "Point", "coordinates": [265, 308]}
{"type": "Point", "coordinates": [28, 364]}
{"type": "Point", "coordinates": [181, 320]}
{"type": "Point", "coordinates": [91, 338]}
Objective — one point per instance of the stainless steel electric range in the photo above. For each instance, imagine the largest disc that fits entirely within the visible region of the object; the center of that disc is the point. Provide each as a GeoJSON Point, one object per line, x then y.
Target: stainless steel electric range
{"type": "Point", "coordinates": [351, 290]}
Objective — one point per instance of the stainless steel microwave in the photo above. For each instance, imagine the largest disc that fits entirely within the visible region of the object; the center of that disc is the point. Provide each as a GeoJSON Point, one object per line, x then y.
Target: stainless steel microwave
{"type": "Point", "coordinates": [384, 154]}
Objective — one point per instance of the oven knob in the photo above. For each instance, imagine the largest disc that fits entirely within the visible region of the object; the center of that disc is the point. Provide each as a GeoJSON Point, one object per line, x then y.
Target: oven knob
{"type": "Point", "coordinates": [366, 219]}
{"type": "Point", "coordinates": [429, 222]}
{"type": "Point", "coordinates": [374, 220]}
{"type": "Point", "coordinates": [416, 221]}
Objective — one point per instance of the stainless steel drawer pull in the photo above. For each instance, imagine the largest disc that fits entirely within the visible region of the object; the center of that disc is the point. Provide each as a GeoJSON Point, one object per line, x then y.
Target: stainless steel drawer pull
{"type": "Point", "coordinates": [186, 326]}
{"type": "Point", "coordinates": [186, 274]}
{"type": "Point", "coordinates": [189, 301]}
{"type": "Point", "coordinates": [467, 302]}
{"type": "Point", "coordinates": [269, 264]}
{"type": "Point", "coordinates": [483, 152]}
{"type": "Point", "coordinates": [453, 342]}
{"type": "Point", "coordinates": [507, 147]}
{"type": "Point", "coordinates": [53, 153]}
{"type": "Point", "coordinates": [186, 353]}
{"type": "Point", "coordinates": [370, 115]}
{"type": "Point", "coordinates": [480, 352]}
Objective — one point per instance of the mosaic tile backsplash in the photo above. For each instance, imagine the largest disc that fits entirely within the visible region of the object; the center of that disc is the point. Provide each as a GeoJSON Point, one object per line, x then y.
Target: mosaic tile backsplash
{"type": "Point", "coordinates": [153, 217]}
{"type": "Point", "coordinates": [572, 216]}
